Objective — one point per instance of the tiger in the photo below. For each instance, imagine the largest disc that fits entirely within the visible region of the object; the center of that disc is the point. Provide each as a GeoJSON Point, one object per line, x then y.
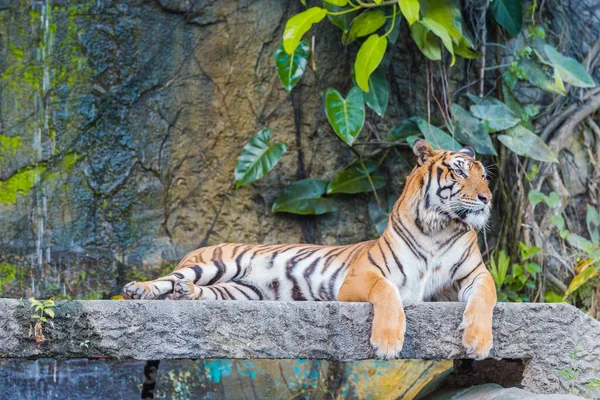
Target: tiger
{"type": "Point", "coordinates": [429, 247]}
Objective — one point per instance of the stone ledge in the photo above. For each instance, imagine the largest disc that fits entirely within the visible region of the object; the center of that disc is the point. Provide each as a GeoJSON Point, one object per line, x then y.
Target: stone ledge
{"type": "Point", "coordinates": [543, 335]}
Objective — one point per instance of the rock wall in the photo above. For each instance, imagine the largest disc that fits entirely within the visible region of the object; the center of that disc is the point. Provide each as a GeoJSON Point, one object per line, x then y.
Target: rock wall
{"type": "Point", "coordinates": [122, 122]}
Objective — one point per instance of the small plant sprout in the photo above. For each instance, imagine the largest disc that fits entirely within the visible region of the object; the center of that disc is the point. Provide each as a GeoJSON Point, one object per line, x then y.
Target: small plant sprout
{"type": "Point", "coordinates": [41, 309]}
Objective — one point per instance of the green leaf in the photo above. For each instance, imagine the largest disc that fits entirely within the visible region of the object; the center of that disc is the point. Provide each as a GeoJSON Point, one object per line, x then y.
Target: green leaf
{"type": "Point", "coordinates": [569, 69]}
{"type": "Point", "coordinates": [526, 143]}
{"type": "Point", "coordinates": [580, 242]}
{"type": "Point", "coordinates": [368, 58]}
{"type": "Point", "coordinates": [509, 14]}
{"type": "Point", "coordinates": [379, 216]}
{"type": "Point", "coordinates": [35, 316]}
{"type": "Point", "coordinates": [469, 130]}
{"type": "Point", "coordinates": [365, 24]}
{"type": "Point", "coordinates": [342, 21]}
{"type": "Point", "coordinates": [304, 198]}
{"type": "Point", "coordinates": [412, 139]}
{"type": "Point", "coordinates": [298, 25]}
{"type": "Point", "coordinates": [49, 312]}
{"type": "Point", "coordinates": [532, 173]}
{"type": "Point", "coordinates": [552, 297]}
{"type": "Point", "coordinates": [580, 279]}
{"type": "Point", "coordinates": [410, 10]}
{"type": "Point", "coordinates": [49, 303]}
{"type": "Point", "coordinates": [354, 179]}
{"type": "Point", "coordinates": [426, 41]}
{"type": "Point", "coordinates": [541, 77]}
{"type": "Point", "coordinates": [437, 138]}
{"type": "Point", "coordinates": [43, 319]}
{"type": "Point", "coordinates": [484, 101]}
{"type": "Point", "coordinates": [291, 67]}
{"type": "Point", "coordinates": [464, 50]}
{"type": "Point", "coordinates": [346, 116]}
{"type": "Point", "coordinates": [592, 220]}
{"type": "Point", "coordinates": [552, 200]}
{"type": "Point", "coordinates": [445, 13]}
{"type": "Point", "coordinates": [338, 3]}
{"type": "Point", "coordinates": [404, 130]}
{"type": "Point", "coordinates": [257, 158]}
{"type": "Point", "coordinates": [533, 269]}
{"type": "Point", "coordinates": [392, 37]}
{"type": "Point", "coordinates": [535, 197]}
{"type": "Point", "coordinates": [558, 221]}
{"type": "Point", "coordinates": [378, 96]}
{"type": "Point", "coordinates": [440, 31]}
{"type": "Point", "coordinates": [496, 117]}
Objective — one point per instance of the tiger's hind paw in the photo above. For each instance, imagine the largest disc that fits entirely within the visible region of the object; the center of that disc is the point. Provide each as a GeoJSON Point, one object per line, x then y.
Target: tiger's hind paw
{"type": "Point", "coordinates": [140, 291]}
{"type": "Point", "coordinates": [184, 289]}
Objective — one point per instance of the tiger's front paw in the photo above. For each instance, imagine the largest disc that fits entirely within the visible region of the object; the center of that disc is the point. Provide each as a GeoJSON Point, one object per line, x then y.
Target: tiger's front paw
{"type": "Point", "coordinates": [140, 291]}
{"type": "Point", "coordinates": [477, 336]}
{"type": "Point", "coordinates": [387, 338]}
{"type": "Point", "coordinates": [184, 289]}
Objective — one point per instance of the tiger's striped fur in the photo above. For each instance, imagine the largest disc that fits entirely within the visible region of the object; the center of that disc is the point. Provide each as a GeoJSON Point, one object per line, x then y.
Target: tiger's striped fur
{"type": "Point", "coordinates": [429, 246]}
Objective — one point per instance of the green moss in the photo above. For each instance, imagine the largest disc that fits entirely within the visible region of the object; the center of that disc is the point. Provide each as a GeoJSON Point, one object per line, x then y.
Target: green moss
{"type": "Point", "coordinates": [8, 272]}
{"type": "Point", "coordinates": [9, 146]}
{"type": "Point", "coordinates": [19, 183]}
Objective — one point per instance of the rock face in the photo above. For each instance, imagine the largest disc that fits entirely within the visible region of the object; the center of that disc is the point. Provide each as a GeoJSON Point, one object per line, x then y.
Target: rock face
{"type": "Point", "coordinates": [123, 156]}
{"type": "Point", "coordinates": [544, 336]}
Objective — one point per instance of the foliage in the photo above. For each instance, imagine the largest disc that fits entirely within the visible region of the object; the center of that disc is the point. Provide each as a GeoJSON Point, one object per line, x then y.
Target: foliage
{"type": "Point", "coordinates": [42, 309]}
{"type": "Point", "coordinates": [258, 158]}
{"type": "Point", "coordinates": [521, 283]}
{"type": "Point", "coordinates": [433, 24]}
{"type": "Point", "coordinates": [572, 374]}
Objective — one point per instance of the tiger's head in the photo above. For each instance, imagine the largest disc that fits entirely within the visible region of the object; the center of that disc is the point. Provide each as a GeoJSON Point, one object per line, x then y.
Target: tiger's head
{"type": "Point", "coordinates": [454, 187]}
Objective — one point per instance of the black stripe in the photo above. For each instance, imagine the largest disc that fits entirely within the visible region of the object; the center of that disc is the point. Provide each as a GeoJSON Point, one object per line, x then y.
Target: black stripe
{"type": "Point", "coordinates": [224, 287]}
{"type": "Point", "coordinates": [307, 275]}
{"type": "Point", "coordinates": [253, 288]}
{"type": "Point", "coordinates": [463, 258]}
{"type": "Point", "coordinates": [374, 263]}
{"type": "Point", "coordinates": [218, 262]}
{"type": "Point", "coordinates": [396, 260]}
{"type": "Point", "coordinates": [179, 275]}
{"type": "Point", "coordinates": [197, 271]}
{"type": "Point", "coordinates": [242, 292]}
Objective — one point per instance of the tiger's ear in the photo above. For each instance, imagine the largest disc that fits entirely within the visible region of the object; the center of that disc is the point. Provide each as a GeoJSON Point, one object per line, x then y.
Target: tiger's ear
{"type": "Point", "coordinates": [423, 151]}
{"type": "Point", "coordinates": [468, 150]}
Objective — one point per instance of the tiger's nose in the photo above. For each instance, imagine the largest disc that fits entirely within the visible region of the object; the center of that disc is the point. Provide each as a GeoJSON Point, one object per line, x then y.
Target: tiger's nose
{"type": "Point", "coordinates": [485, 198]}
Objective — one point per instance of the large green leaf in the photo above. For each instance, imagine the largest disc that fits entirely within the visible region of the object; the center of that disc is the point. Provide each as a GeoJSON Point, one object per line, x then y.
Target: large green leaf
{"type": "Point", "coordinates": [445, 13]}
{"type": "Point", "coordinates": [426, 41]}
{"type": "Point", "coordinates": [592, 220]}
{"type": "Point", "coordinates": [581, 278]}
{"type": "Point", "coordinates": [496, 117]}
{"type": "Point", "coordinates": [437, 138]}
{"type": "Point", "coordinates": [346, 116]}
{"type": "Point", "coordinates": [304, 198]}
{"type": "Point", "coordinates": [540, 76]}
{"type": "Point", "coordinates": [410, 10]}
{"type": "Point", "coordinates": [569, 69]}
{"type": "Point", "coordinates": [469, 130]}
{"type": "Point", "coordinates": [526, 143]}
{"type": "Point", "coordinates": [509, 14]}
{"type": "Point", "coordinates": [298, 25]}
{"type": "Point", "coordinates": [380, 216]}
{"type": "Point", "coordinates": [365, 24]}
{"type": "Point", "coordinates": [440, 31]}
{"type": "Point", "coordinates": [368, 58]}
{"type": "Point", "coordinates": [354, 179]}
{"type": "Point", "coordinates": [465, 50]}
{"type": "Point", "coordinates": [404, 130]}
{"type": "Point", "coordinates": [342, 21]}
{"type": "Point", "coordinates": [257, 158]}
{"type": "Point", "coordinates": [291, 67]}
{"type": "Point", "coordinates": [392, 37]}
{"type": "Point", "coordinates": [378, 96]}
